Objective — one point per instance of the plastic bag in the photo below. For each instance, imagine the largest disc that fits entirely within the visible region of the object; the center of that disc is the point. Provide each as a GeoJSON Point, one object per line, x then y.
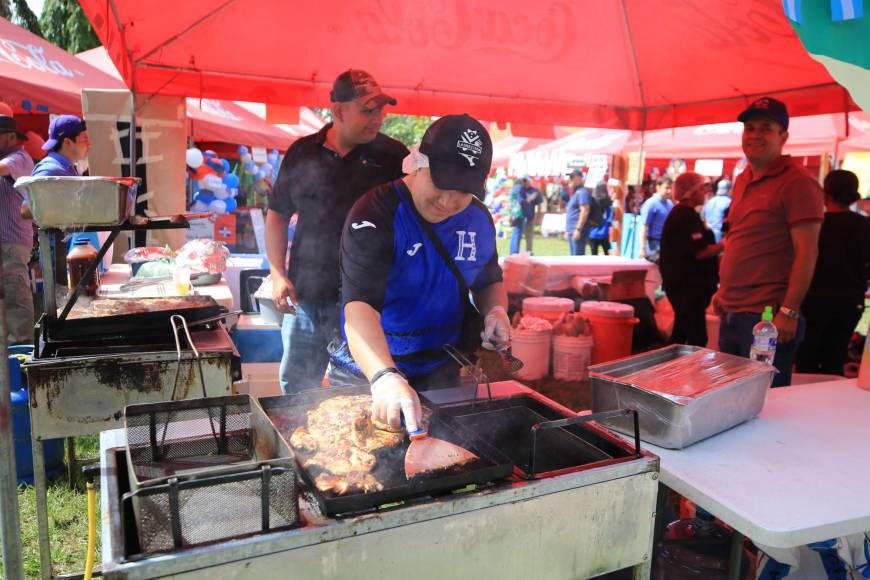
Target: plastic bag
{"type": "Point", "coordinates": [203, 256]}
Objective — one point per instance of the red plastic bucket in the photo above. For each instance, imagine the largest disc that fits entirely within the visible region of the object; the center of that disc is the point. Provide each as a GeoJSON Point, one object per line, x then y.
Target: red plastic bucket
{"type": "Point", "coordinates": [612, 328]}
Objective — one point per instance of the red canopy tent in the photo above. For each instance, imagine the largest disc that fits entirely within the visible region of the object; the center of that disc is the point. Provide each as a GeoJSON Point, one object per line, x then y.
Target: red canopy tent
{"type": "Point", "coordinates": [811, 135]}
{"type": "Point", "coordinates": [630, 64]}
{"type": "Point", "coordinates": [211, 120]}
{"type": "Point", "coordinates": [40, 78]}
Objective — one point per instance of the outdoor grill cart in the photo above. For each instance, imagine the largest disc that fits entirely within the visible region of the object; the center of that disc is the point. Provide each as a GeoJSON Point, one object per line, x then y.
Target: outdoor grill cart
{"type": "Point", "coordinates": [89, 365]}
{"type": "Point", "coordinates": [554, 495]}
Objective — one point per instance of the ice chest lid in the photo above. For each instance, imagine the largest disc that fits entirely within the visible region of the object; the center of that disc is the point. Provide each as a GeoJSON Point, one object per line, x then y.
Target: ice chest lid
{"type": "Point", "coordinates": [548, 304]}
{"type": "Point", "coordinates": [607, 309]}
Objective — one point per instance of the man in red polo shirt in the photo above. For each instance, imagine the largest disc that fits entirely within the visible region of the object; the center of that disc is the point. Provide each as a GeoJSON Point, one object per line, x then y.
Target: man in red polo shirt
{"type": "Point", "coordinates": [772, 243]}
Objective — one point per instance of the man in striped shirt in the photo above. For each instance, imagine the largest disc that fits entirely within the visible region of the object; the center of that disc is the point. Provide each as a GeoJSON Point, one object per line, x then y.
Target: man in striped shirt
{"type": "Point", "coordinates": [16, 234]}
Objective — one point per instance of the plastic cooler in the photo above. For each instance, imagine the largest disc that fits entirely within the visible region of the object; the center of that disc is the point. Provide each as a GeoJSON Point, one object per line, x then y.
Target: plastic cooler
{"type": "Point", "coordinates": [547, 307]}
{"type": "Point", "coordinates": [612, 327]}
{"type": "Point", "coordinates": [52, 448]}
{"type": "Point", "coordinates": [257, 340]}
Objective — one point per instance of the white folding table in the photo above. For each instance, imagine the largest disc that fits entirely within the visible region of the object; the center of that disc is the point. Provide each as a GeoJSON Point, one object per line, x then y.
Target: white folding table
{"type": "Point", "coordinates": [796, 474]}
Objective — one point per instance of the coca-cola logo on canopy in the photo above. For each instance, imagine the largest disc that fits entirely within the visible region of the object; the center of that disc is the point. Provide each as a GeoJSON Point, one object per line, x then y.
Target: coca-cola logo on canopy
{"type": "Point", "coordinates": [31, 56]}
{"type": "Point", "coordinates": [543, 33]}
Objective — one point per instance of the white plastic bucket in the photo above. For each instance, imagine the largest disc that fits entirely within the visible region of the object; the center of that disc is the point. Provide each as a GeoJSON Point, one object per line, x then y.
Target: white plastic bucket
{"type": "Point", "coordinates": [533, 348]}
{"type": "Point", "coordinates": [571, 357]}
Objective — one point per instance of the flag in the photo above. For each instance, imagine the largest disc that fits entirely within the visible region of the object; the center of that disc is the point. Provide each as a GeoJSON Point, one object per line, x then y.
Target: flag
{"type": "Point", "coordinates": [793, 9]}
{"type": "Point", "coordinates": [847, 9]}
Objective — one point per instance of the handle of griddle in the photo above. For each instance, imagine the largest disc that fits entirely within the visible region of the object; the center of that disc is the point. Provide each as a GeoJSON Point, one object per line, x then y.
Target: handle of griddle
{"type": "Point", "coordinates": [559, 423]}
{"type": "Point", "coordinates": [172, 320]}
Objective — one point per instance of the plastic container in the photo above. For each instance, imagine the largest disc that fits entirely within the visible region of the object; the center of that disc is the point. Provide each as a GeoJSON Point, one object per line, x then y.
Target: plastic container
{"type": "Point", "coordinates": [77, 262]}
{"type": "Point", "coordinates": [533, 348]}
{"type": "Point", "coordinates": [571, 357]}
{"type": "Point", "coordinates": [547, 307]}
{"type": "Point", "coordinates": [52, 449]}
{"type": "Point", "coordinates": [612, 327]}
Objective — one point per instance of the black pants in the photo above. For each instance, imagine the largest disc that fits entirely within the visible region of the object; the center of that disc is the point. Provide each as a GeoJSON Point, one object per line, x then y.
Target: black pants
{"type": "Point", "coordinates": [830, 324]}
{"type": "Point", "coordinates": [690, 318]}
{"type": "Point", "coordinates": [595, 244]}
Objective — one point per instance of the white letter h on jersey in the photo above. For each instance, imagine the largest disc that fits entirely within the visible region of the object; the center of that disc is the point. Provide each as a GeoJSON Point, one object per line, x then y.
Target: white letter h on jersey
{"type": "Point", "coordinates": [463, 245]}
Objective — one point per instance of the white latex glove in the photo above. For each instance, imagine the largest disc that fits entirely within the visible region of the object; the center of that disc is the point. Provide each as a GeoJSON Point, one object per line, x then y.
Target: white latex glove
{"type": "Point", "coordinates": [496, 329]}
{"type": "Point", "coordinates": [393, 397]}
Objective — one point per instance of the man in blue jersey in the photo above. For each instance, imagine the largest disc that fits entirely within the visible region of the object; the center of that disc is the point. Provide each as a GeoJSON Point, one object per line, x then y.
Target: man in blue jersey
{"type": "Point", "coordinates": [402, 296]}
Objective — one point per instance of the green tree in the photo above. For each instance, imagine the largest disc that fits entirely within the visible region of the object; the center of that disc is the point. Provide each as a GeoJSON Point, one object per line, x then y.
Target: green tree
{"type": "Point", "coordinates": [65, 25]}
{"type": "Point", "coordinates": [408, 129]}
{"type": "Point", "coordinates": [5, 10]}
{"type": "Point", "coordinates": [25, 17]}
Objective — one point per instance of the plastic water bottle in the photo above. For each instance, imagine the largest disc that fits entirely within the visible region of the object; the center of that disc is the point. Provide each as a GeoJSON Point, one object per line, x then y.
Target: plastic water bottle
{"type": "Point", "coordinates": [764, 338]}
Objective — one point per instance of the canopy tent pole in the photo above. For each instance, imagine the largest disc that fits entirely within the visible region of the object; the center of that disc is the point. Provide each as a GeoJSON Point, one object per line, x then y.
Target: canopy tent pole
{"type": "Point", "coordinates": [10, 526]}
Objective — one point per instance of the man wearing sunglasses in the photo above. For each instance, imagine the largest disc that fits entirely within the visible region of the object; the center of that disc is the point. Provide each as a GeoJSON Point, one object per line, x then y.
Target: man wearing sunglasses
{"type": "Point", "coordinates": [321, 177]}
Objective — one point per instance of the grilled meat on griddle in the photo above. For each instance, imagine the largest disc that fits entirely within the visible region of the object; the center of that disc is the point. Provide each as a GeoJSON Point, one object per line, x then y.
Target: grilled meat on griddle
{"type": "Point", "coordinates": [339, 444]}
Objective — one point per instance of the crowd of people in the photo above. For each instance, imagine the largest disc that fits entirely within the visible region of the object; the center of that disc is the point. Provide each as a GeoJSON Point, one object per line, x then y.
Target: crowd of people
{"type": "Point", "coordinates": [788, 244]}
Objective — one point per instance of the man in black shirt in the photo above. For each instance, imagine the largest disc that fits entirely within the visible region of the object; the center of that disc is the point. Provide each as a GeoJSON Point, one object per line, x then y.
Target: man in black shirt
{"type": "Point", "coordinates": [688, 262]}
{"type": "Point", "coordinates": [321, 177]}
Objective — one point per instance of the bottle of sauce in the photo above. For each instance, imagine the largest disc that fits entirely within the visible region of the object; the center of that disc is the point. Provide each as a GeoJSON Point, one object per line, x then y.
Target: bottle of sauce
{"type": "Point", "coordinates": [77, 262]}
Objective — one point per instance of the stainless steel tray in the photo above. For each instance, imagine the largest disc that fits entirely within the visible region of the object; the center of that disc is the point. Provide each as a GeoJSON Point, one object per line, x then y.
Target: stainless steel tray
{"type": "Point", "coordinates": [78, 201]}
{"type": "Point", "coordinates": [675, 422]}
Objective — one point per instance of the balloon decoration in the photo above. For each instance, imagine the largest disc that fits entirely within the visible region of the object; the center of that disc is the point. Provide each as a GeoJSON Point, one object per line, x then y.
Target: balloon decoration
{"type": "Point", "coordinates": [216, 184]}
{"type": "Point", "coordinates": [194, 158]}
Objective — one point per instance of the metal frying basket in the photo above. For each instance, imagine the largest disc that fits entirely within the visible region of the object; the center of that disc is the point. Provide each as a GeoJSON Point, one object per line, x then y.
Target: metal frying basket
{"type": "Point", "coordinates": [206, 470]}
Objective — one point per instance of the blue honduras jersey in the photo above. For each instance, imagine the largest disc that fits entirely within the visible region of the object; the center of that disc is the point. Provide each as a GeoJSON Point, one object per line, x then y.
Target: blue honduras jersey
{"type": "Point", "coordinates": [389, 262]}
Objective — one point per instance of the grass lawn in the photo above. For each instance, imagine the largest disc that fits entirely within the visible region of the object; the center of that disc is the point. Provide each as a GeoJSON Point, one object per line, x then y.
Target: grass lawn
{"type": "Point", "coordinates": [541, 246]}
{"type": "Point", "coordinates": [68, 521]}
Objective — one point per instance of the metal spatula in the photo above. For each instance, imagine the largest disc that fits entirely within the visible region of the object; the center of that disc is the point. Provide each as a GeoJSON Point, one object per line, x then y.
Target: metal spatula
{"type": "Point", "coordinates": [428, 455]}
{"type": "Point", "coordinates": [512, 363]}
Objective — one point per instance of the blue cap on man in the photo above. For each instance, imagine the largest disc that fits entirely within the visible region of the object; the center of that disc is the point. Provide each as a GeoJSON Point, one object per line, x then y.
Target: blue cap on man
{"type": "Point", "coordinates": [63, 127]}
{"type": "Point", "coordinates": [766, 107]}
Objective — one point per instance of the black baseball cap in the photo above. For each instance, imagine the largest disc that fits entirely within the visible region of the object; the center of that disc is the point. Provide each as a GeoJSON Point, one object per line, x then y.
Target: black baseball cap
{"type": "Point", "coordinates": [459, 149]}
{"type": "Point", "coordinates": [353, 84]}
{"type": "Point", "coordinates": [766, 107]}
{"type": "Point", "coordinates": [576, 173]}
{"type": "Point", "coordinates": [10, 125]}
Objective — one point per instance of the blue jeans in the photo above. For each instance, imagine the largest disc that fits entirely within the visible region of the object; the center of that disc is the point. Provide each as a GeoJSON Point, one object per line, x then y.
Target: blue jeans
{"type": "Point", "coordinates": [735, 337]}
{"type": "Point", "coordinates": [306, 336]}
{"type": "Point", "coordinates": [578, 247]}
{"type": "Point", "coordinates": [516, 236]}
{"type": "Point", "coordinates": [653, 246]}
{"type": "Point", "coordinates": [526, 228]}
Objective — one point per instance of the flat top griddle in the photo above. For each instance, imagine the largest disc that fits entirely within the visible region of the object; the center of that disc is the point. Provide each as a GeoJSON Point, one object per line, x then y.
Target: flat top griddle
{"type": "Point", "coordinates": [507, 424]}
{"type": "Point", "coordinates": [290, 411]}
{"type": "Point", "coordinates": [106, 328]}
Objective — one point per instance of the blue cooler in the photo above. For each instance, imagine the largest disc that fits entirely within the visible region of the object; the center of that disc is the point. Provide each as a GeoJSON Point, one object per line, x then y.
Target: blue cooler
{"type": "Point", "coordinates": [256, 340]}
{"type": "Point", "coordinates": [53, 448]}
